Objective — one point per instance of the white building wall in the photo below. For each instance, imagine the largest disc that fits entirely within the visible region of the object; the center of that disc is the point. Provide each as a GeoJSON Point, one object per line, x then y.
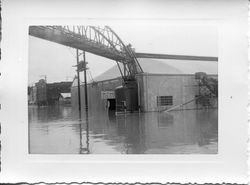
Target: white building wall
{"type": "Point", "coordinates": [183, 88]}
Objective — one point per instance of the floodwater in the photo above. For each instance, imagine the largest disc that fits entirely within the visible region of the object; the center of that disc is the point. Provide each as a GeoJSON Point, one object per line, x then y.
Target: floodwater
{"type": "Point", "coordinates": [58, 130]}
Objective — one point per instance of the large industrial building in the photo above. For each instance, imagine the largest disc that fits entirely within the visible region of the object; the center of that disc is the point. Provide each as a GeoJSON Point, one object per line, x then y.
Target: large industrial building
{"type": "Point", "coordinates": [164, 85]}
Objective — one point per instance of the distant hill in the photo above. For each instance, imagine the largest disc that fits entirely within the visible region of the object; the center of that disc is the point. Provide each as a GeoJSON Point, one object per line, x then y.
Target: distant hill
{"type": "Point", "coordinates": [165, 67]}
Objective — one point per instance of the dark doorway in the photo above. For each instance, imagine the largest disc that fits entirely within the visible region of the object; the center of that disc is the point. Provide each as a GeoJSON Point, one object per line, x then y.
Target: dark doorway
{"type": "Point", "coordinates": [112, 104]}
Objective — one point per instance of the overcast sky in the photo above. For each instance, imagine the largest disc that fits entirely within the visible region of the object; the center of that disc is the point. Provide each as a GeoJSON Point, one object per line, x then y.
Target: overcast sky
{"type": "Point", "coordinates": [56, 61]}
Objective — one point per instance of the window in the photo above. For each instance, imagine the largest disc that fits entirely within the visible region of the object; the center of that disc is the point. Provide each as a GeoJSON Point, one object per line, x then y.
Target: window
{"type": "Point", "coordinates": [164, 100]}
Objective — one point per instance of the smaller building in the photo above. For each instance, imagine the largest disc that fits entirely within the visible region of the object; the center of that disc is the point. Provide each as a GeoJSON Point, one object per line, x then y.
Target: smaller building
{"type": "Point", "coordinates": [54, 91]}
{"type": "Point", "coordinates": [65, 98]}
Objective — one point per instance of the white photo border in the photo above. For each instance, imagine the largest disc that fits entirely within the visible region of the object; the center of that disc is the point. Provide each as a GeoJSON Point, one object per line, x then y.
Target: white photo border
{"type": "Point", "coordinates": [227, 166]}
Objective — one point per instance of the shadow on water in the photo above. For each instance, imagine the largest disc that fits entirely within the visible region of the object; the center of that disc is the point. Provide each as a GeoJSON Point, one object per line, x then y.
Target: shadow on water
{"type": "Point", "coordinates": [58, 129]}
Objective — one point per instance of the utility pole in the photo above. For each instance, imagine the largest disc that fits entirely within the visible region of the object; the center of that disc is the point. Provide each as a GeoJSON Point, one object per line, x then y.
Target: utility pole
{"type": "Point", "coordinates": [85, 82]}
{"type": "Point", "coordinates": [78, 84]}
{"type": "Point", "coordinates": [82, 66]}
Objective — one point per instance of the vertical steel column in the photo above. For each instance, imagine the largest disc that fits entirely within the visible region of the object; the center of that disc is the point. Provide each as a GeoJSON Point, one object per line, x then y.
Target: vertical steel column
{"type": "Point", "coordinates": [78, 84]}
{"type": "Point", "coordinates": [85, 82]}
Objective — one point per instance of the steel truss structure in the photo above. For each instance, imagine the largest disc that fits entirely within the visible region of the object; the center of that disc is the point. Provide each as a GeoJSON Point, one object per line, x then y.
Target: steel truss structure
{"type": "Point", "coordinates": [99, 41]}
{"type": "Point", "coordinates": [106, 43]}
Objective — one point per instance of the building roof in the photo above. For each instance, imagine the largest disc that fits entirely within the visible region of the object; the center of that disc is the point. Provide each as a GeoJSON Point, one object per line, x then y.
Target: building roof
{"type": "Point", "coordinates": [65, 95]}
{"type": "Point", "coordinates": [169, 66]}
{"type": "Point", "coordinates": [157, 66]}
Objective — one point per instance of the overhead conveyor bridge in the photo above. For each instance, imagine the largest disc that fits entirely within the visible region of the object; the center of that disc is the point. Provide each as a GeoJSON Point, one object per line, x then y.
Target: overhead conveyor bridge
{"type": "Point", "coordinates": [99, 41]}
{"type": "Point", "coordinates": [106, 43]}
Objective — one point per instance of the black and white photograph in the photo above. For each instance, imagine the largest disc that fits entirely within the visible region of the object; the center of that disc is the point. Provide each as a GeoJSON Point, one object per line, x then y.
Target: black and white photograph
{"type": "Point", "coordinates": [123, 89]}
{"type": "Point", "coordinates": [124, 92]}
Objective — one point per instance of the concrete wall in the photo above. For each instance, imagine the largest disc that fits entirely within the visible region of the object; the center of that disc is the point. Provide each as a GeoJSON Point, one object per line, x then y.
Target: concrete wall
{"type": "Point", "coordinates": [183, 88]}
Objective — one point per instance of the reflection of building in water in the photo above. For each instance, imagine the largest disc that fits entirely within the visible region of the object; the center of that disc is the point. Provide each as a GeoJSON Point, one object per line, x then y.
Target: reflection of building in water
{"type": "Point", "coordinates": [165, 120]}
{"type": "Point", "coordinates": [163, 85]}
{"type": "Point", "coordinates": [185, 130]}
{"type": "Point", "coordinates": [180, 132]}
{"type": "Point", "coordinates": [152, 132]}
{"type": "Point", "coordinates": [55, 129]}
{"type": "Point", "coordinates": [206, 129]}
{"type": "Point", "coordinates": [133, 131]}
{"type": "Point", "coordinates": [84, 136]}
{"type": "Point", "coordinates": [49, 113]}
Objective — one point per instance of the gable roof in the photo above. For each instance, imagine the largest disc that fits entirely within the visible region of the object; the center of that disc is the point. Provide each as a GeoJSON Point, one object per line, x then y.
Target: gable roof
{"type": "Point", "coordinates": [169, 66]}
{"type": "Point", "coordinates": [65, 95]}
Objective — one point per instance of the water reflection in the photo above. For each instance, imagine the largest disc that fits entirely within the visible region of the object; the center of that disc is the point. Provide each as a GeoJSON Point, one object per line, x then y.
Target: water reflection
{"type": "Point", "coordinates": [58, 130]}
{"type": "Point", "coordinates": [84, 131]}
